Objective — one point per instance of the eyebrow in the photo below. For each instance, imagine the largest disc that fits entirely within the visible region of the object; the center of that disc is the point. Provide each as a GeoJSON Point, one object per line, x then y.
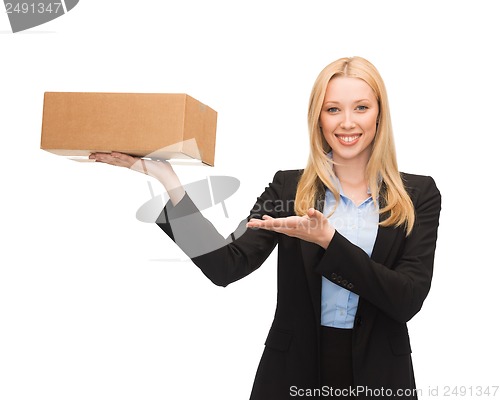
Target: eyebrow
{"type": "Point", "coordinates": [356, 101]}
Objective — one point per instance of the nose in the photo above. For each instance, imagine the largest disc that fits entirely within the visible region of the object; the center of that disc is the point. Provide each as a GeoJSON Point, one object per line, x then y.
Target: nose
{"type": "Point", "coordinates": [347, 122]}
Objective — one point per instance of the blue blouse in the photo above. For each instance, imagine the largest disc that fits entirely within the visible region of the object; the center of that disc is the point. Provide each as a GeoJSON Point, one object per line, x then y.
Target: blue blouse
{"type": "Point", "coordinates": [358, 224]}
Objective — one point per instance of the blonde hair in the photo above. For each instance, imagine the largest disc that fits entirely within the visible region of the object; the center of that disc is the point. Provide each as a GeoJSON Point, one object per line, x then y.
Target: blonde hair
{"type": "Point", "coordinates": [382, 172]}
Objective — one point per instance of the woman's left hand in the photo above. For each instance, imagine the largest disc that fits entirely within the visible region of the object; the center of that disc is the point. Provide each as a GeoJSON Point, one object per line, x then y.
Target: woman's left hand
{"type": "Point", "coordinates": [313, 227]}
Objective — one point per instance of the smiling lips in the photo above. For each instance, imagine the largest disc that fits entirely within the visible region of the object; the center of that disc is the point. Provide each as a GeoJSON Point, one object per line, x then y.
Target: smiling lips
{"type": "Point", "coordinates": [348, 140]}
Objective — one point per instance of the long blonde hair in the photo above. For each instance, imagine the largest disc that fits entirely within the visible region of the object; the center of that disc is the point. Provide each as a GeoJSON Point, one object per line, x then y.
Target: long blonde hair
{"type": "Point", "coordinates": [382, 172]}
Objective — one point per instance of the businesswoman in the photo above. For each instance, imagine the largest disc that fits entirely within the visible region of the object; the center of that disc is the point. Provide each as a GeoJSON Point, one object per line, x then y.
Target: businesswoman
{"type": "Point", "coordinates": [356, 241]}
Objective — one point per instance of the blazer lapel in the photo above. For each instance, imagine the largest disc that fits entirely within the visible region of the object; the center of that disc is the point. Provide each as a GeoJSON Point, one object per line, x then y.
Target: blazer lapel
{"type": "Point", "coordinates": [384, 243]}
{"type": "Point", "coordinates": [311, 254]}
{"type": "Point", "coordinates": [387, 237]}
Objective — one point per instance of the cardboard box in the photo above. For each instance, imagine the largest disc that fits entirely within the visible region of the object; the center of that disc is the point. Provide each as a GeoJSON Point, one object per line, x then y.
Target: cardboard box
{"type": "Point", "coordinates": [152, 125]}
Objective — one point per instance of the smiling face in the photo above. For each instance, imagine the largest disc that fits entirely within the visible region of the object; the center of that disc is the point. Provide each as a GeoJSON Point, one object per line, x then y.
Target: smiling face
{"type": "Point", "coordinates": [348, 119]}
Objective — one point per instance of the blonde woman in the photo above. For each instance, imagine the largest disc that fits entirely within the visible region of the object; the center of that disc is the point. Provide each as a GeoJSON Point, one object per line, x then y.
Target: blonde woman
{"type": "Point", "coordinates": [356, 241]}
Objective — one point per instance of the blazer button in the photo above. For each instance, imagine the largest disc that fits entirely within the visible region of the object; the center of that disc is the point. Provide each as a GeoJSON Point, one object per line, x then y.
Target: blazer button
{"type": "Point", "coordinates": [334, 276]}
{"type": "Point", "coordinates": [339, 279]}
{"type": "Point", "coordinates": [344, 282]}
{"type": "Point", "coordinates": [350, 286]}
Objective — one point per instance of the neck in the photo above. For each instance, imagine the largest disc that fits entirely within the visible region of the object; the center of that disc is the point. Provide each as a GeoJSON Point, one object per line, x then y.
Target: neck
{"type": "Point", "coordinates": [352, 173]}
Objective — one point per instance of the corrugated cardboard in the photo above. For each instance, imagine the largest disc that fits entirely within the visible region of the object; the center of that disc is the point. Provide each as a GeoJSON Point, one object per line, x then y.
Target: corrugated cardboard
{"type": "Point", "coordinates": [141, 124]}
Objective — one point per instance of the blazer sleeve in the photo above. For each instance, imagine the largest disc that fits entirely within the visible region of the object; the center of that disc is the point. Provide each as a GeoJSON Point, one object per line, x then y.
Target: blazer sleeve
{"type": "Point", "coordinates": [398, 289]}
{"type": "Point", "coordinates": [223, 260]}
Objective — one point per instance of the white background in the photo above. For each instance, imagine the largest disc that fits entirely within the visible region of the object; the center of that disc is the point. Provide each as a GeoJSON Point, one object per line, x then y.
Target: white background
{"type": "Point", "coordinates": [97, 305]}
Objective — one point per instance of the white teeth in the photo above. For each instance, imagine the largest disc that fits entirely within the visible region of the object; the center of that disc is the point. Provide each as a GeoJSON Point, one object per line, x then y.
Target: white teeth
{"type": "Point", "coordinates": [349, 139]}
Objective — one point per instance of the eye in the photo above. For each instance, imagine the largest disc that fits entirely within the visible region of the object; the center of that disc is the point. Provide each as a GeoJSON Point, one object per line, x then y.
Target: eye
{"type": "Point", "coordinates": [333, 110]}
{"type": "Point", "coordinates": [361, 108]}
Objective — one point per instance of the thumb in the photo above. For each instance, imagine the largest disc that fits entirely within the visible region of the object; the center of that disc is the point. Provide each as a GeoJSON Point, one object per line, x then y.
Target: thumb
{"type": "Point", "coordinates": [312, 213]}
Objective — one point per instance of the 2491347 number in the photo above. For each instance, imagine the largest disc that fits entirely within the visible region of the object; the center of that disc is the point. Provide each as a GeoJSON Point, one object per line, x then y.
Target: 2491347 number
{"type": "Point", "coordinates": [462, 391]}
{"type": "Point", "coordinates": [33, 8]}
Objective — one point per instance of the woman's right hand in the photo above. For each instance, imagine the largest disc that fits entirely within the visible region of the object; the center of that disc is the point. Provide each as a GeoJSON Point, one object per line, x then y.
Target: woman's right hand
{"type": "Point", "coordinates": [161, 170]}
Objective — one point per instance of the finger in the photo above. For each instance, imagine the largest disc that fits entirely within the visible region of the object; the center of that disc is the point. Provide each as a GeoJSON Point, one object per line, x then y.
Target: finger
{"type": "Point", "coordinates": [253, 225]}
{"type": "Point", "coordinates": [101, 157]}
{"type": "Point", "coordinates": [267, 217]}
{"type": "Point", "coordinates": [110, 159]}
{"type": "Point", "coordinates": [124, 160]}
{"type": "Point", "coordinates": [267, 223]}
{"type": "Point", "coordinates": [255, 221]}
{"type": "Point", "coordinates": [96, 156]}
{"type": "Point", "coordinates": [124, 157]}
{"type": "Point", "coordinates": [258, 224]}
{"type": "Point", "coordinates": [315, 214]}
{"type": "Point", "coordinates": [116, 159]}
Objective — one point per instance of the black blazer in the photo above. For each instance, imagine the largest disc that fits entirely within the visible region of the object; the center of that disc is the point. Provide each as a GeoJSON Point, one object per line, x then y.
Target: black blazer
{"type": "Point", "coordinates": [392, 286]}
